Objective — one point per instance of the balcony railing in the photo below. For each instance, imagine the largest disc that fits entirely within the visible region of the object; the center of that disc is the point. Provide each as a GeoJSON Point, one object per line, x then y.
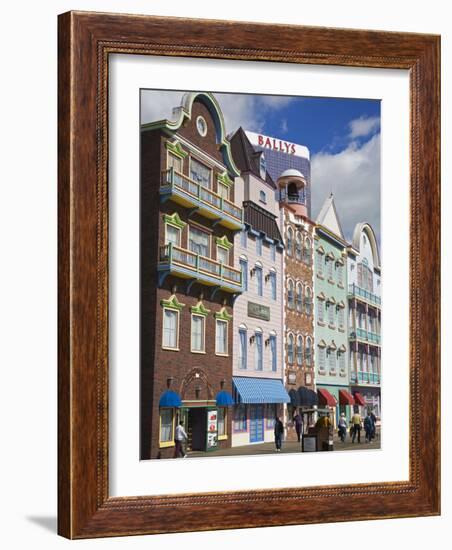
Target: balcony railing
{"type": "Point", "coordinates": [365, 377]}
{"type": "Point", "coordinates": [356, 291]}
{"type": "Point", "coordinates": [208, 271]}
{"type": "Point", "coordinates": [364, 335]}
{"type": "Point", "coordinates": [209, 203]}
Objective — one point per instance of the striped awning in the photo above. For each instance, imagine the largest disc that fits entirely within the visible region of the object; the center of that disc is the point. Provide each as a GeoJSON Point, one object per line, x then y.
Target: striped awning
{"type": "Point", "coordinates": [259, 390]}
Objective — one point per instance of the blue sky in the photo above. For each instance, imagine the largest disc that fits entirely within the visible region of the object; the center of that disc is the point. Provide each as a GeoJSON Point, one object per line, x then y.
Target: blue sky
{"type": "Point", "coordinates": [343, 136]}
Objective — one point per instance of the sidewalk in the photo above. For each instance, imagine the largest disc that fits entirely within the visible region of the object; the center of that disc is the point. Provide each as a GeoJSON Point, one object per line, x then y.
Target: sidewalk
{"type": "Point", "coordinates": [287, 447]}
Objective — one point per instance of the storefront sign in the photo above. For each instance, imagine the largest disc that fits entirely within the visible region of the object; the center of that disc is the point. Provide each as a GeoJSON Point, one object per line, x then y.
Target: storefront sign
{"type": "Point", "coordinates": [212, 428]}
{"type": "Point", "coordinates": [258, 311]}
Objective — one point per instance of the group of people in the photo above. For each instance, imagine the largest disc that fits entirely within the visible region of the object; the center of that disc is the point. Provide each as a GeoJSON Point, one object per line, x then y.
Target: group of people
{"type": "Point", "coordinates": [357, 424]}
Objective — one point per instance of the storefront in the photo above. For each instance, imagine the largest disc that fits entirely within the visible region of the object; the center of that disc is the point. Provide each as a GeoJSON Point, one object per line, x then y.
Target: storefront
{"type": "Point", "coordinates": [258, 401]}
{"type": "Point", "coordinates": [303, 401]}
{"type": "Point", "coordinates": [368, 400]}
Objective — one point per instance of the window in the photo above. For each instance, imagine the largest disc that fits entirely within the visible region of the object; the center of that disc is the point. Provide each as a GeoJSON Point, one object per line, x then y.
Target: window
{"type": "Point", "coordinates": [258, 355]}
{"type": "Point", "coordinates": [289, 243]}
{"type": "Point", "coordinates": [298, 247]}
{"type": "Point", "coordinates": [199, 242]}
{"type": "Point", "coordinates": [259, 286]}
{"type": "Point", "coordinates": [308, 352]}
{"type": "Point", "coordinates": [273, 284]}
{"type": "Point", "coordinates": [322, 353]}
{"type": "Point", "coordinates": [340, 317]}
{"type": "Point", "coordinates": [222, 421]}
{"type": "Point", "coordinates": [331, 316]}
{"type": "Point", "coordinates": [222, 255]}
{"type": "Point", "coordinates": [332, 361]}
{"type": "Point", "coordinates": [340, 273]}
{"type": "Point", "coordinates": [242, 349]}
{"type": "Point", "coordinates": [308, 301]}
{"type": "Point", "coordinates": [244, 268]}
{"type": "Point", "coordinates": [299, 298]}
{"type": "Point", "coordinates": [172, 235]}
{"type": "Point", "coordinates": [170, 328]}
{"type": "Point", "coordinates": [223, 191]}
{"type": "Point", "coordinates": [201, 125]}
{"type": "Point", "coordinates": [175, 162]}
{"type": "Point", "coordinates": [262, 166]}
{"type": "Point", "coordinates": [259, 246]}
{"type": "Point", "coordinates": [271, 415]}
{"type": "Point", "coordinates": [330, 268]}
{"type": "Point", "coordinates": [166, 426]}
{"type": "Point", "coordinates": [262, 197]}
{"type": "Point", "coordinates": [299, 350]}
{"type": "Point", "coordinates": [221, 339]}
{"type": "Point", "coordinates": [244, 238]}
{"type": "Point", "coordinates": [290, 349]}
{"type": "Point", "coordinates": [307, 251]}
{"type": "Point", "coordinates": [198, 333]}
{"type": "Point", "coordinates": [273, 252]}
{"type": "Point", "coordinates": [273, 352]}
{"type": "Point", "coordinates": [290, 295]}
{"type": "Point", "coordinates": [200, 173]}
{"type": "Point", "coordinates": [240, 418]}
{"type": "Point", "coordinates": [342, 362]}
{"type": "Point", "coordinates": [319, 262]}
{"type": "Point", "coordinates": [320, 309]}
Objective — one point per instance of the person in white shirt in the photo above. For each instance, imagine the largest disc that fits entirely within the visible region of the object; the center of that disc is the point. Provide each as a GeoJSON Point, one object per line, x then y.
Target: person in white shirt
{"type": "Point", "coordinates": [180, 437]}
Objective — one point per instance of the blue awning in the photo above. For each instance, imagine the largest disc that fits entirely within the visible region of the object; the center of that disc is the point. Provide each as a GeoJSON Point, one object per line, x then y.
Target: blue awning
{"type": "Point", "coordinates": [170, 399]}
{"type": "Point", "coordinates": [224, 399]}
{"type": "Point", "coordinates": [259, 390]}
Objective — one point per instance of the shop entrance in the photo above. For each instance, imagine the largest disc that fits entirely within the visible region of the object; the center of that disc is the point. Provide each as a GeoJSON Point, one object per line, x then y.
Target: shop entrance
{"type": "Point", "coordinates": [196, 424]}
{"type": "Point", "coordinates": [256, 423]}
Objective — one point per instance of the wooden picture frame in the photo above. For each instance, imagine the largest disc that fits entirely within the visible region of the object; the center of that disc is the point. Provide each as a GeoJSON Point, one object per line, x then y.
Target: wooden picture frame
{"type": "Point", "coordinates": [86, 40]}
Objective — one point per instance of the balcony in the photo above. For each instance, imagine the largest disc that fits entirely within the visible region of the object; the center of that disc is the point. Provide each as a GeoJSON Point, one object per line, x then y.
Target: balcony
{"type": "Point", "coordinates": [188, 193]}
{"type": "Point", "coordinates": [365, 336]}
{"type": "Point", "coordinates": [363, 295]}
{"type": "Point", "coordinates": [188, 265]}
{"type": "Point", "coordinates": [365, 378]}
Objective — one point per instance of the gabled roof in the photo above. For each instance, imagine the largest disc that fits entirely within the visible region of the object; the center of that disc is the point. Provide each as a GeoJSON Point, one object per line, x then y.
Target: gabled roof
{"type": "Point", "coordinates": [246, 157]}
{"type": "Point", "coordinates": [328, 217]}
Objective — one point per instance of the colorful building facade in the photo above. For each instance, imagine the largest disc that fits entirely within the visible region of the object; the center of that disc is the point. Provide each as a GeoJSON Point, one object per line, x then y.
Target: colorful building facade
{"type": "Point", "coordinates": [299, 360]}
{"type": "Point", "coordinates": [189, 218]}
{"type": "Point", "coordinates": [331, 299]}
{"type": "Point", "coordinates": [258, 389]}
{"type": "Point", "coordinates": [364, 319]}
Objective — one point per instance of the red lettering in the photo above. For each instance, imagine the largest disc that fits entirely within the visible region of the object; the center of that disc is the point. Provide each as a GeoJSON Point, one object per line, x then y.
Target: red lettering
{"type": "Point", "coordinates": [293, 149]}
{"type": "Point", "coordinates": [260, 140]}
{"type": "Point", "coordinates": [268, 143]}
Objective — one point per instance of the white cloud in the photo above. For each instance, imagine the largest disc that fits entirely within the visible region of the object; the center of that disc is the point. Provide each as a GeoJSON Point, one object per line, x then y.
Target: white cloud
{"type": "Point", "coordinates": [353, 175]}
{"type": "Point", "coordinates": [363, 126]}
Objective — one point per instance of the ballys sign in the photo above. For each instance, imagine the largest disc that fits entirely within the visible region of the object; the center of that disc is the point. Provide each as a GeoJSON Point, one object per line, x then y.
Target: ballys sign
{"type": "Point", "coordinates": [276, 144]}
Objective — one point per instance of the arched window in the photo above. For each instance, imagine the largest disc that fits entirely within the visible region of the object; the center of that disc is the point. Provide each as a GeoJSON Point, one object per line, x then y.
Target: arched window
{"type": "Point", "coordinates": [299, 350]}
{"type": "Point", "coordinates": [307, 251]}
{"type": "Point", "coordinates": [308, 352]}
{"type": "Point", "coordinates": [290, 349]}
{"type": "Point", "coordinates": [319, 261]}
{"type": "Point", "coordinates": [299, 298]}
{"type": "Point", "coordinates": [308, 301]}
{"type": "Point", "coordinates": [320, 310]}
{"type": "Point", "coordinates": [298, 246]}
{"type": "Point", "coordinates": [290, 294]}
{"type": "Point", "coordinates": [289, 243]}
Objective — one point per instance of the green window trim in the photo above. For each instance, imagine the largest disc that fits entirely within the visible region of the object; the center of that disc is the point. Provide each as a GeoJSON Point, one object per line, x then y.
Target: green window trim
{"type": "Point", "coordinates": [174, 220]}
{"type": "Point", "coordinates": [200, 309]}
{"type": "Point", "coordinates": [172, 303]}
{"type": "Point", "coordinates": [225, 179]}
{"type": "Point", "coordinates": [176, 149]}
{"type": "Point", "coordinates": [224, 242]}
{"type": "Point", "coordinates": [223, 315]}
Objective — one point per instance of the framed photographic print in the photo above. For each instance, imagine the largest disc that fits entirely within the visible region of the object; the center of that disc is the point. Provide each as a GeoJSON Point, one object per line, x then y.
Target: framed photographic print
{"type": "Point", "coordinates": [248, 275]}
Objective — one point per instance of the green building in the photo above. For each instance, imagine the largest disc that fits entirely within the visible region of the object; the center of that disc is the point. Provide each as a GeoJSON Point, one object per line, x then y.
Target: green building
{"type": "Point", "coordinates": [330, 327]}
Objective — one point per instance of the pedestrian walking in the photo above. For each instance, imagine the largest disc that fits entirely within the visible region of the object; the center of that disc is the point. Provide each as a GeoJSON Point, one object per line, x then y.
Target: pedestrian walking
{"type": "Point", "coordinates": [356, 421]}
{"type": "Point", "coordinates": [279, 430]}
{"type": "Point", "coordinates": [180, 438]}
{"type": "Point", "coordinates": [342, 427]}
{"type": "Point", "coordinates": [298, 421]}
{"type": "Point", "coordinates": [368, 427]}
{"type": "Point", "coordinates": [374, 424]}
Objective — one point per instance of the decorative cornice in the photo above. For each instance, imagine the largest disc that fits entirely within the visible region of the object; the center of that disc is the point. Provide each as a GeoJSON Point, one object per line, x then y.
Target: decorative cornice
{"type": "Point", "coordinates": [224, 242]}
{"type": "Point", "coordinates": [176, 149]}
{"type": "Point", "coordinates": [174, 219]}
{"type": "Point", "coordinates": [223, 315]}
{"type": "Point", "coordinates": [172, 303]}
{"type": "Point", "coordinates": [200, 309]}
{"type": "Point", "coordinates": [225, 179]}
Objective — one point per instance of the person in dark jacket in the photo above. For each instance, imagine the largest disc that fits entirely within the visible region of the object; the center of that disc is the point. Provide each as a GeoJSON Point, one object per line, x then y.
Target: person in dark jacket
{"type": "Point", "coordinates": [368, 428]}
{"type": "Point", "coordinates": [298, 421]}
{"type": "Point", "coordinates": [279, 430]}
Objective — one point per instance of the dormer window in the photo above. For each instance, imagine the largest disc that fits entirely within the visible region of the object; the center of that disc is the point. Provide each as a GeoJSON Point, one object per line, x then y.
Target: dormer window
{"type": "Point", "coordinates": [262, 197]}
{"type": "Point", "coordinates": [262, 166]}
